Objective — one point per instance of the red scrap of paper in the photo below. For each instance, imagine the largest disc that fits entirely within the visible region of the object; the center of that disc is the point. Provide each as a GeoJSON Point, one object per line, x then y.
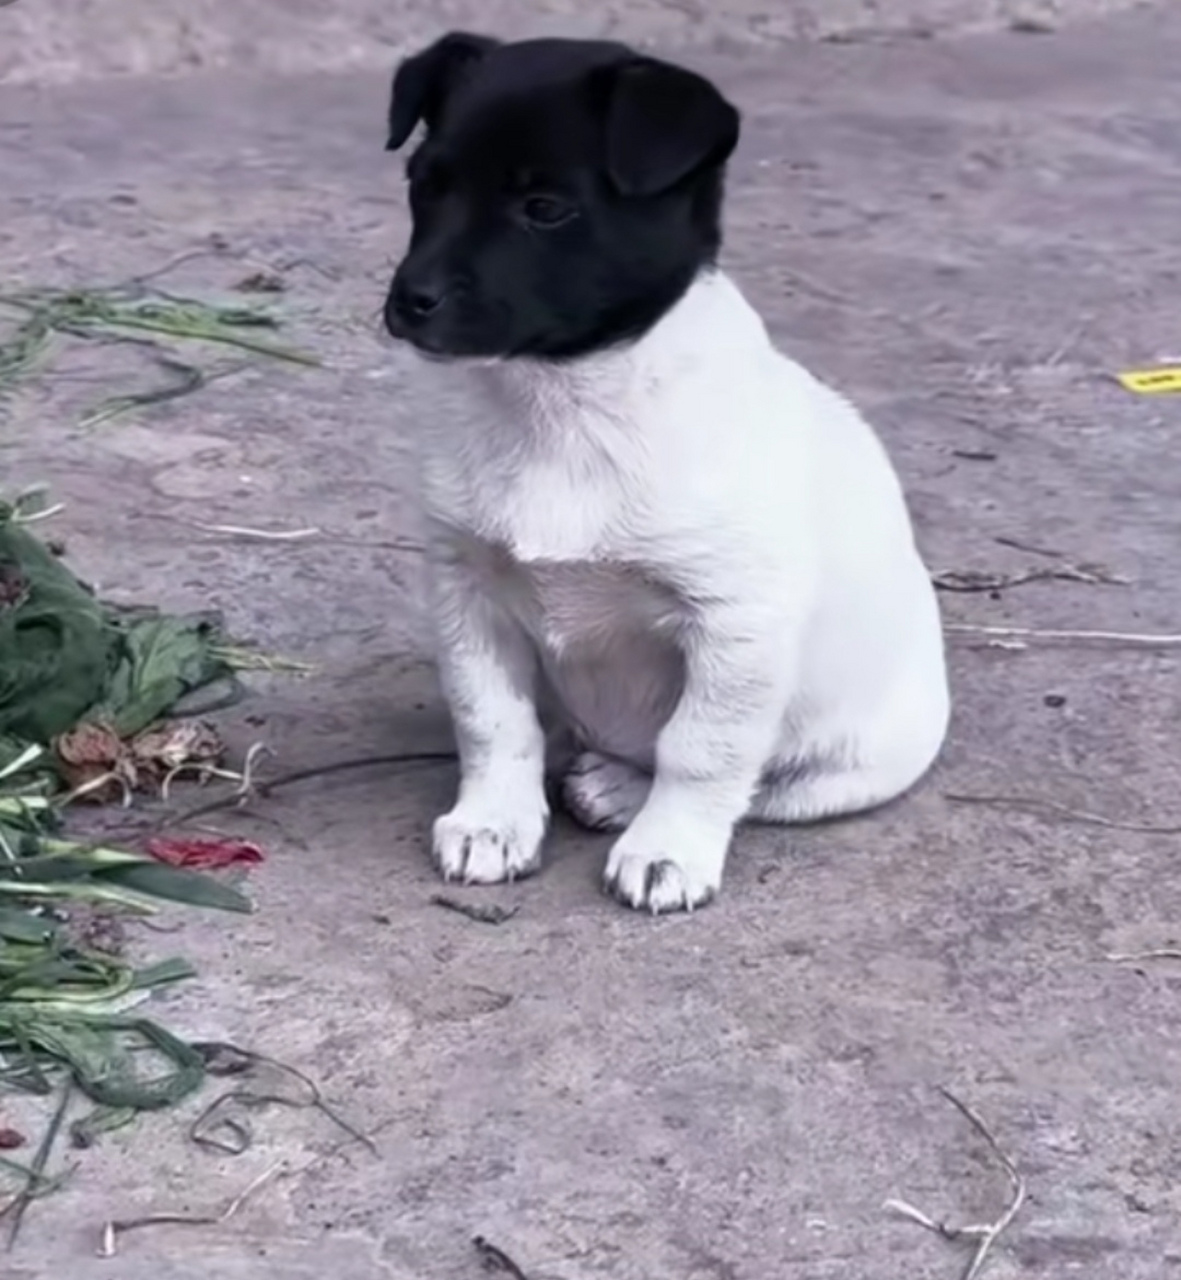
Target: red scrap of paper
{"type": "Point", "coordinates": [10, 1139]}
{"type": "Point", "coordinates": [184, 851]}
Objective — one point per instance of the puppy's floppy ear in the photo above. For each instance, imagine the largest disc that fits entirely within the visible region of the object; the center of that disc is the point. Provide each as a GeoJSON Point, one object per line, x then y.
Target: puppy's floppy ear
{"type": "Point", "coordinates": [423, 82]}
{"type": "Point", "coordinates": [664, 123]}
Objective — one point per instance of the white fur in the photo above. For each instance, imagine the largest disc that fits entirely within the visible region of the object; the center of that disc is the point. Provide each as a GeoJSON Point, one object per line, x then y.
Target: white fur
{"type": "Point", "coordinates": [704, 555]}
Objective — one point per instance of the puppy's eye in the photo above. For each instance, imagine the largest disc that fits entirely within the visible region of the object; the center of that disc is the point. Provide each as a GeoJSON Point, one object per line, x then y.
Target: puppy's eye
{"type": "Point", "coordinates": [547, 211]}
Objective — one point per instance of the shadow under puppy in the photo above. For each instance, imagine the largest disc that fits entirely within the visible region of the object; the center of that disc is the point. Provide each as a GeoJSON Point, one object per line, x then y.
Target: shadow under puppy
{"type": "Point", "coordinates": [664, 536]}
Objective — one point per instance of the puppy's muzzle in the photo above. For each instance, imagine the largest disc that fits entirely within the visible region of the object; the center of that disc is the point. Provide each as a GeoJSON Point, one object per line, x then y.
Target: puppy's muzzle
{"type": "Point", "coordinates": [413, 302]}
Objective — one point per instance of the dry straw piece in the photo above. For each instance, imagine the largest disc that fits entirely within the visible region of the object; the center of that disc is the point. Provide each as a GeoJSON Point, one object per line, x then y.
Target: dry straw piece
{"type": "Point", "coordinates": [984, 1234]}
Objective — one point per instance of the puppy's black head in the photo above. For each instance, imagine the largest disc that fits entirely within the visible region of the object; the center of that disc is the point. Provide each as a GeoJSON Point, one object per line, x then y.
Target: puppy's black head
{"type": "Point", "coordinates": [565, 196]}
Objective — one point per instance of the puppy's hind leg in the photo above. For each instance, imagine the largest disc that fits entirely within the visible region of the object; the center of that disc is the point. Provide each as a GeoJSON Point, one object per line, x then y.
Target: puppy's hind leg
{"type": "Point", "coordinates": [811, 790]}
{"type": "Point", "coordinates": [862, 767]}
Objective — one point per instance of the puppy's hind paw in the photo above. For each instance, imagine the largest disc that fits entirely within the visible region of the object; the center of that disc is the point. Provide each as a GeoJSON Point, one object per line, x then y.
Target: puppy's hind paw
{"type": "Point", "coordinates": [604, 794]}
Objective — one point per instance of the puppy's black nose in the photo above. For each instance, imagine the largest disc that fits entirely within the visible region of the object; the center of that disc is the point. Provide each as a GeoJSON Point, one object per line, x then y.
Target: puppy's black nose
{"type": "Point", "coordinates": [417, 300]}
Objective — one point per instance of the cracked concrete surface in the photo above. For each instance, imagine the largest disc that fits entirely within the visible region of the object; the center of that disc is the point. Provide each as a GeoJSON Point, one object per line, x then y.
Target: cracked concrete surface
{"type": "Point", "coordinates": [969, 236]}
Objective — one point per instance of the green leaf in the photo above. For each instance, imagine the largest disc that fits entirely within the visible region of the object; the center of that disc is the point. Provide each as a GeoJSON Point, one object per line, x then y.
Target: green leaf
{"type": "Point", "coordinates": [23, 926]}
{"type": "Point", "coordinates": [103, 1055]}
{"type": "Point", "coordinates": [80, 891]}
{"type": "Point", "coordinates": [162, 973]}
{"type": "Point", "coordinates": [85, 1131]}
{"type": "Point", "coordinates": [51, 869]}
{"type": "Point", "coordinates": [21, 759]}
{"type": "Point", "coordinates": [18, 840]}
{"type": "Point", "coordinates": [161, 659]}
{"type": "Point", "coordinates": [156, 880]}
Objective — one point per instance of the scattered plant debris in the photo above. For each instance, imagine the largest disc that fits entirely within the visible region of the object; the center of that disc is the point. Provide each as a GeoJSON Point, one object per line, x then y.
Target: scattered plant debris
{"type": "Point", "coordinates": [186, 378]}
{"type": "Point", "coordinates": [986, 1234]}
{"type": "Point", "coordinates": [90, 313]}
{"type": "Point", "coordinates": [482, 912]}
{"type": "Point", "coordinates": [139, 315]}
{"type": "Point", "coordinates": [971, 580]}
{"type": "Point", "coordinates": [1018, 637]}
{"type": "Point", "coordinates": [496, 1260]}
{"type": "Point", "coordinates": [224, 1125]}
{"type": "Point", "coordinates": [1135, 957]}
{"type": "Point", "coordinates": [204, 854]}
{"type": "Point", "coordinates": [1035, 804]}
{"type": "Point", "coordinates": [262, 282]}
{"type": "Point", "coordinates": [252, 788]}
{"type": "Point", "coordinates": [36, 1183]}
{"type": "Point", "coordinates": [113, 1229]}
{"type": "Point", "coordinates": [98, 765]}
{"type": "Point", "coordinates": [85, 692]}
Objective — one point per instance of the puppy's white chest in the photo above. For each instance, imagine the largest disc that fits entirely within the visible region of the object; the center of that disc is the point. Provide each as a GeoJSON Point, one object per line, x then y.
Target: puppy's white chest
{"type": "Point", "coordinates": [581, 609]}
{"type": "Point", "coordinates": [535, 510]}
{"type": "Point", "coordinates": [605, 636]}
{"type": "Point", "coordinates": [549, 518]}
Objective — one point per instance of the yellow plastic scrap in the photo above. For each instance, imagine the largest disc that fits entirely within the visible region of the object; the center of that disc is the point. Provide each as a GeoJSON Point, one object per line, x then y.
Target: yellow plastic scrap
{"type": "Point", "coordinates": [1152, 382]}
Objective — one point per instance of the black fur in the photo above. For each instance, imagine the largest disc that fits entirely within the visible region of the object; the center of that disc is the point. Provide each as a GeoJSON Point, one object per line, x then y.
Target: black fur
{"type": "Point", "coordinates": [565, 196]}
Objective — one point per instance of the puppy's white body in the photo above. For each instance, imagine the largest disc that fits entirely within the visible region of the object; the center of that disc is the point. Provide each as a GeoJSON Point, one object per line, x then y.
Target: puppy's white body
{"type": "Point", "coordinates": [700, 558]}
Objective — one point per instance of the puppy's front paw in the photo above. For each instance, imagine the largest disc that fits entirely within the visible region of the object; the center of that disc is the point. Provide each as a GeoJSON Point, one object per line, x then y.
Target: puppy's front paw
{"type": "Point", "coordinates": [663, 877]}
{"type": "Point", "coordinates": [604, 794]}
{"type": "Point", "coordinates": [485, 843]}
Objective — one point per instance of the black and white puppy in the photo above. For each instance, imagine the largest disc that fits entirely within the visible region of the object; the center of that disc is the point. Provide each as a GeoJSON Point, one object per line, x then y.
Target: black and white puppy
{"type": "Point", "coordinates": [665, 536]}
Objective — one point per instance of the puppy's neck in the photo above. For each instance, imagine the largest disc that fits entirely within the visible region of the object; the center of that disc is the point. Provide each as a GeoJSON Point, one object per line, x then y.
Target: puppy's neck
{"type": "Point", "coordinates": [711, 315]}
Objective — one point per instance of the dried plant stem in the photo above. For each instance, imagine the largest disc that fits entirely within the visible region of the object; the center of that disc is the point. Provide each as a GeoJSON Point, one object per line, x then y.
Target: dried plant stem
{"type": "Point", "coordinates": [984, 1234]}
{"type": "Point", "coordinates": [972, 581]}
{"type": "Point", "coordinates": [250, 789]}
{"type": "Point", "coordinates": [1036, 804]}
{"type": "Point", "coordinates": [1117, 639]}
{"type": "Point", "coordinates": [263, 535]}
{"type": "Point", "coordinates": [115, 1228]}
{"type": "Point", "coordinates": [19, 1205]}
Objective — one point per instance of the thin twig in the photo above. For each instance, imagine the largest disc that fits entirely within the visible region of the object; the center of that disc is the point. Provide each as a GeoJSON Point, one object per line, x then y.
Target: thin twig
{"type": "Point", "coordinates": [1035, 803]}
{"type": "Point", "coordinates": [1032, 547]}
{"type": "Point", "coordinates": [240, 795]}
{"type": "Point", "coordinates": [1157, 953]}
{"type": "Point", "coordinates": [985, 1234]}
{"type": "Point", "coordinates": [114, 1228]}
{"type": "Point", "coordinates": [1125, 639]}
{"type": "Point", "coordinates": [302, 535]}
{"type": "Point", "coordinates": [1016, 1183]}
{"type": "Point", "coordinates": [188, 378]}
{"type": "Point", "coordinates": [20, 1204]}
{"type": "Point", "coordinates": [966, 581]}
{"type": "Point", "coordinates": [293, 536]}
{"type": "Point", "coordinates": [203, 770]}
{"type": "Point", "coordinates": [172, 263]}
{"type": "Point", "coordinates": [46, 513]}
{"type": "Point", "coordinates": [264, 535]}
{"type": "Point", "coordinates": [98, 784]}
{"type": "Point", "coordinates": [237, 1061]}
{"type": "Point", "coordinates": [495, 1259]}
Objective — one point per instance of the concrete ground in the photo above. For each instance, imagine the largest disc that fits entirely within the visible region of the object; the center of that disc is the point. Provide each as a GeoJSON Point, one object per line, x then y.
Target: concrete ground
{"type": "Point", "coordinates": [970, 237]}
{"type": "Point", "coordinates": [72, 39]}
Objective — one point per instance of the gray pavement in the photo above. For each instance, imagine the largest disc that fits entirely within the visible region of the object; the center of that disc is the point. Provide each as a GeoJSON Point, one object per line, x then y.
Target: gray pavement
{"type": "Point", "coordinates": [969, 236]}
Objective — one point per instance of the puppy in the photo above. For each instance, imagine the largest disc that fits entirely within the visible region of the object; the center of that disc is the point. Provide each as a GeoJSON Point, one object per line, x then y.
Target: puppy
{"type": "Point", "coordinates": [666, 538]}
